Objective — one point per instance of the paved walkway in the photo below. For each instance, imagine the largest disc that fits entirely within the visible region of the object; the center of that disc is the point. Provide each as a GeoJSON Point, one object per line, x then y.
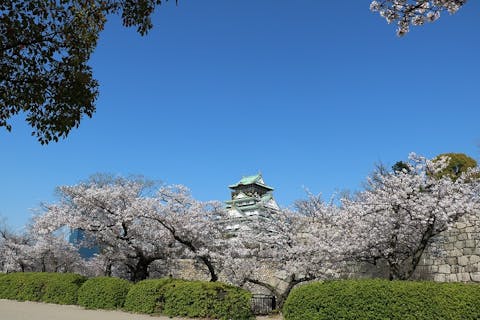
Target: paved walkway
{"type": "Point", "coordinates": [15, 310]}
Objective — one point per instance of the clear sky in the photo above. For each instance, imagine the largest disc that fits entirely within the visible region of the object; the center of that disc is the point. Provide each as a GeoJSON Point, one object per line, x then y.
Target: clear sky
{"type": "Point", "coordinates": [311, 93]}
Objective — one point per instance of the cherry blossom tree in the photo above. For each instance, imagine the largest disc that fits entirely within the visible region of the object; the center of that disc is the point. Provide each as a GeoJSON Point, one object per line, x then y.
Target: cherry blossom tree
{"type": "Point", "coordinates": [106, 209]}
{"type": "Point", "coordinates": [32, 252]}
{"type": "Point", "coordinates": [136, 225]}
{"type": "Point", "coordinates": [395, 219]}
{"type": "Point", "coordinates": [194, 225]}
{"type": "Point", "coordinates": [15, 250]}
{"type": "Point", "coordinates": [413, 12]}
{"type": "Point", "coordinates": [299, 245]}
{"type": "Point", "coordinates": [53, 253]}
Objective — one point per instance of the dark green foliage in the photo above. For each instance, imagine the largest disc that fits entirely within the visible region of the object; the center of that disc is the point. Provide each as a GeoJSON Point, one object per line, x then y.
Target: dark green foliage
{"type": "Point", "coordinates": [6, 284]}
{"type": "Point", "coordinates": [103, 293]}
{"type": "Point", "coordinates": [45, 47]}
{"type": "Point", "coordinates": [381, 299]}
{"type": "Point", "coordinates": [206, 300]}
{"type": "Point", "coordinates": [60, 288]}
{"type": "Point", "coordinates": [63, 288]}
{"type": "Point", "coordinates": [167, 296]}
{"type": "Point", "coordinates": [189, 299]}
{"type": "Point", "coordinates": [401, 166]}
{"type": "Point", "coordinates": [147, 296]}
{"type": "Point", "coordinates": [458, 164]}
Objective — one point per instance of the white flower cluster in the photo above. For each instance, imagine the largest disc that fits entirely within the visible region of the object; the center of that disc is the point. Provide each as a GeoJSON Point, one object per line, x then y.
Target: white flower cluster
{"type": "Point", "coordinates": [413, 12]}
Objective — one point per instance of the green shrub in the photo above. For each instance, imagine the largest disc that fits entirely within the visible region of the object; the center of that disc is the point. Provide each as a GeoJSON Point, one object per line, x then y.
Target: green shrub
{"type": "Point", "coordinates": [381, 299]}
{"type": "Point", "coordinates": [103, 293]}
{"type": "Point", "coordinates": [206, 300]}
{"type": "Point", "coordinates": [146, 296]}
{"type": "Point", "coordinates": [58, 288]}
{"type": "Point", "coordinates": [19, 286]}
{"type": "Point", "coordinates": [62, 288]}
{"type": "Point", "coordinates": [4, 286]}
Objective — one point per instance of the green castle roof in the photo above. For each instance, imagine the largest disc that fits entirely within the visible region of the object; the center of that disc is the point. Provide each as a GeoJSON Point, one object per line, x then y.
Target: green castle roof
{"type": "Point", "coordinates": [255, 179]}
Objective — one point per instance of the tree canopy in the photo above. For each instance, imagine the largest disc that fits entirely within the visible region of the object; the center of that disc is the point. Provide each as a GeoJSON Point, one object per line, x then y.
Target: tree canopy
{"type": "Point", "coordinates": [457, 164]}
{"type": "Point", "coordinates": [44, 51]}
{"type": "Point", "coordinates": [406, 13]}
{"type": "Point", "coordinates": [395, 218]}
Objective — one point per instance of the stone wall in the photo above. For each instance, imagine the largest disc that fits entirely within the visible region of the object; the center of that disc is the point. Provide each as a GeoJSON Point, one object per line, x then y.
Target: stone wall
{"type": "Point", "coordinates": [190, 269]}
{"type": "Point", "coordinates": [454, 255]}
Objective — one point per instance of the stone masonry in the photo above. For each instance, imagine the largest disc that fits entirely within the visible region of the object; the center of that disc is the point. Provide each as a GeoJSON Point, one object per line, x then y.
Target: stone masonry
{"type": "Point", "coordinates": [454, 255]}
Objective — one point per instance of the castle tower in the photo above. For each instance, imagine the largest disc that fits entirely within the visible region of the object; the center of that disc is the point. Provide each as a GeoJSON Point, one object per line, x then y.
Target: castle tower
{"type": "Point", "coordinates": [251, 197]}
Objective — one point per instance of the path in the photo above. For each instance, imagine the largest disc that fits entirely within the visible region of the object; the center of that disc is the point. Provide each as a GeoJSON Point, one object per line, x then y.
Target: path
{"type": "Point", "coordinates": [15, 310]}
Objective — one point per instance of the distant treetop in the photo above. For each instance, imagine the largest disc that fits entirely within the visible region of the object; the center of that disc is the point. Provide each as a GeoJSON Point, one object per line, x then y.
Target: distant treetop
{"type": "Point", "coordinates": [458, 164]}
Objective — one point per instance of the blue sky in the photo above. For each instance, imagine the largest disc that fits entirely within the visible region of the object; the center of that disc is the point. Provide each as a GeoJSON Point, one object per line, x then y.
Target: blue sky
{"type": "Point", "coordinates": [310, 93]}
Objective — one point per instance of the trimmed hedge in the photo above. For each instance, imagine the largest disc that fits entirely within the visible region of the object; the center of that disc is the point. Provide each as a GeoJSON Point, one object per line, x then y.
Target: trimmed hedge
{"type": "Point", "coordinates": [206, 300]}
{"type": "Point", "coordinates": [59, 288]}
{"type": "Point", "coordinates": [103, 293]}
{"type": "Point", "coordinates": [382, 299]}
{"type": "Point", "coordinates": [167, 296]}
{"type": "Point", "coordinates": [174, 297]}
{"type": "Point", "coordinates": [147, 296]}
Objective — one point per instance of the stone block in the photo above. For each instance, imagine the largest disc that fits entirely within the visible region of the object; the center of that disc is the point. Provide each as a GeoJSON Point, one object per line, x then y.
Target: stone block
{"type": "Point", "coordinates": [463, 277]}
{"type": "Point", "coordinates": [451, 278]}
{"type": "Point", "coordinates": [460, 225]}
{"type": "Point", "coordinates": [463, 260]}
{"type": "Point", "coordinates": [470, 243]}
{"type": "Point", "coordinates": [474, 267]}
{"type": "Point", "coordinates": [474, 259]}
{"type": "Point", "coordinates": [460, 269]}
{"type": "Point", "coordinates": [468, 251]}
{"type": "Point", "coordinates": [448, 246]}
{"type": "Point", "coordinates": [444, 268]}
{"type": "Point", "coordinates": [455, 253]}
{"type": "Point", "coordinates": [452, 261]}
{"type": "Point", "coordinates": [282, 274]}
{"type": "Point", "coordinates": [439, 277]}
{"type": "Point", "coordinates": [462, 236]}
{"type": "Point", "coordinates": [475, 276]}
{"type": "Point", "coordinates": [275, 282]}
{"type": "Point", "coordinates": [451, 239]}
{"type": "Point", "coordinates": [459, 244]}
{"type": "Point", "coordinates": [476, 235]}
{"type": "Point", "coordinates": [452, 232]}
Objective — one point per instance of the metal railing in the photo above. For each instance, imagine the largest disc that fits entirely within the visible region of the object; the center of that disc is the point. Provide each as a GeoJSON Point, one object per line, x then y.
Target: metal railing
{"type": "Point", "coordinates": [263, 304]}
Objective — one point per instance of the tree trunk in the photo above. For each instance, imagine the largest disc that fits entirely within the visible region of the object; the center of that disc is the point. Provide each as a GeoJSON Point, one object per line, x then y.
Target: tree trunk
{"type": "Point", "coordinates": [211, 268]}
{"type": "Point", "coordinates": [427, 236]}
{"type": "Point", "coordinates": [108, 270]}
{"type": "Point", "coordinates": [190, 246]}
{"type": "Point", "coordinates": [395, 273]}
{"type": "Point", "coordinates": [406, 269]}
{"type": "Point", "coordinates": [140, 270]}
